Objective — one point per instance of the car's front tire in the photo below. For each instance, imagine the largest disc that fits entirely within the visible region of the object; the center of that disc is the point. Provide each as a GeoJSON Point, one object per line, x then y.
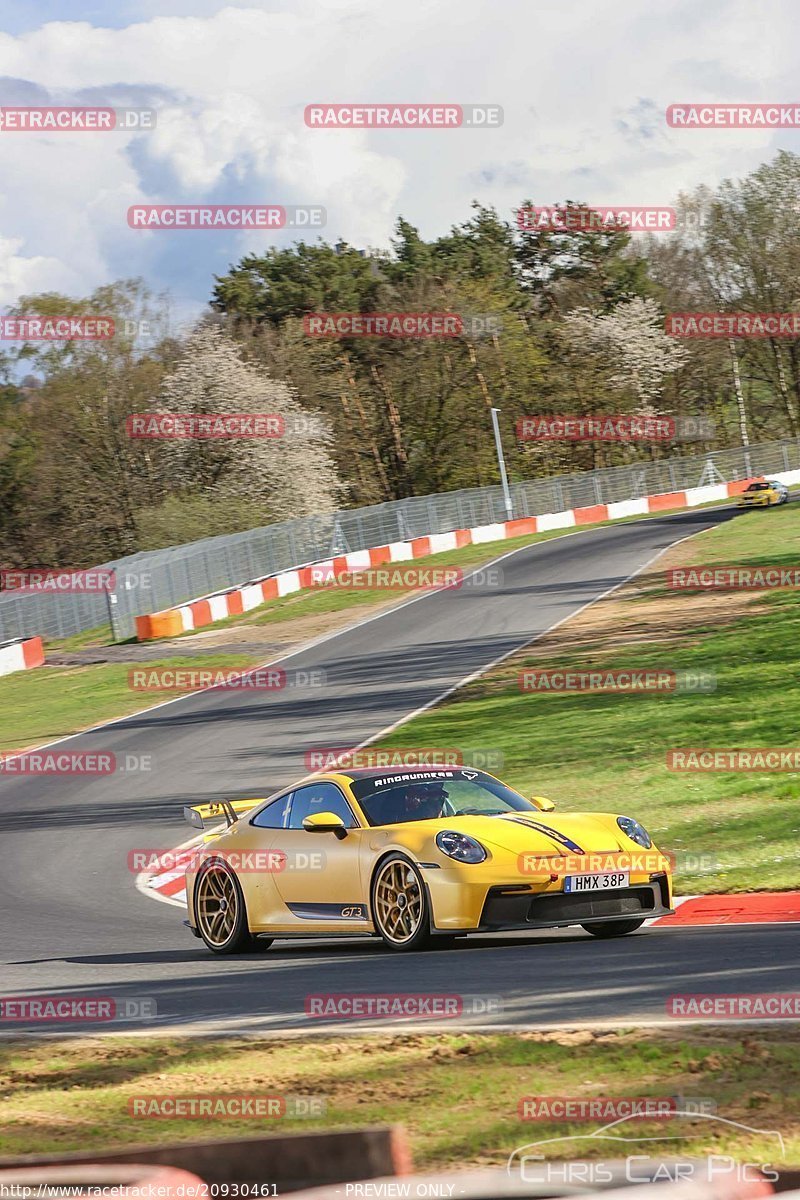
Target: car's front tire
{"type": "Point", "coordinates": [220, 911]}
{"type": "Point", "coordinates": [610, 929]}
{"type": "Point", "coordinates": [400, 905]}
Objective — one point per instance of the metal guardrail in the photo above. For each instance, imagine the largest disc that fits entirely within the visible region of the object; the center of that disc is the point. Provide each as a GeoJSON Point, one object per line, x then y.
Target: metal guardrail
{"type": "Point", "coordinates": [158, 579]}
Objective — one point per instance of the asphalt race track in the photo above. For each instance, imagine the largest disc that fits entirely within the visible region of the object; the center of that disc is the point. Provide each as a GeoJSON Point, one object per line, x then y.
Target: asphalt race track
{"type": "Point", "coordinates": [73, 923]}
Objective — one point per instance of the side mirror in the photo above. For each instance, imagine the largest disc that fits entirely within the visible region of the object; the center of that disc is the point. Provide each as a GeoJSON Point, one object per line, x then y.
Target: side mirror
{"type": "Point", "coordinates": [542, 803]}
{"type": "Point", "coordinates": [325, 822]}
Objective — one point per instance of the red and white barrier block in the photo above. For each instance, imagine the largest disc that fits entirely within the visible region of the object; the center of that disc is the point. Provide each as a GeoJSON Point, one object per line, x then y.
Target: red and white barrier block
{"type": "Point", "coordinates": [207, 609]}
{"type": "Point", "coordinates": [21, 655]}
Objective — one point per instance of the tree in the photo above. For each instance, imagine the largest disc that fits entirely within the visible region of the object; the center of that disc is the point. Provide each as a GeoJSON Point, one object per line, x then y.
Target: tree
{"type": "Point", "coordinates": [741, 252]}
{"type": "Point", "coordinates": [561, 269]}
{"type": "Point", "coordinates": [280, 284]}
{"type": "Point", "coordinates": [76, 499]}
{"type": "Point", "coordinates": [631, 343]}
{"type": "Point", "coordinates": [285, 477]}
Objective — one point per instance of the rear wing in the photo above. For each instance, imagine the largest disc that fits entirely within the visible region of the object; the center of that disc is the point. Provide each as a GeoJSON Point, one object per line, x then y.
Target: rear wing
{"type": "Point", "coordinates": [228, 811]}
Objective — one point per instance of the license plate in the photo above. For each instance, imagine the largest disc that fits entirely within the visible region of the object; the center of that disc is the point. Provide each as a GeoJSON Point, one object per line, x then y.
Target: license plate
{"type": "Point", "coordinates": [597, 883]}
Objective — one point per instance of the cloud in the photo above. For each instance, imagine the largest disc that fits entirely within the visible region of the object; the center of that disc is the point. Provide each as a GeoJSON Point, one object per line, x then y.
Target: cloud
{"type": "Point", "coordinates": [583, 87]}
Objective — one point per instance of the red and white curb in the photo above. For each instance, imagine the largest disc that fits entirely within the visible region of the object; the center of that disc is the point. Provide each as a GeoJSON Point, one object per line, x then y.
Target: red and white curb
{"type": "Point", "coordinates": [206, 610]}
{"type": "Point", "coordinates": [21, 655]}
{"type": "Point", "coordinates": [164, 878]}
{"type": "Point", "coordinates": [745, 908]}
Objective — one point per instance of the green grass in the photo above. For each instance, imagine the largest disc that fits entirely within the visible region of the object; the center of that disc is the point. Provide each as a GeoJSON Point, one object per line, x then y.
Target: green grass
{"type": "Point", "coordinates": [600, 751]}
{"type": "Point", "coordinates": [99, 635]}
{"type": "Point", "coordinates": [457, 1095]}
{"type": "Point", "coordinates": [51, 702]}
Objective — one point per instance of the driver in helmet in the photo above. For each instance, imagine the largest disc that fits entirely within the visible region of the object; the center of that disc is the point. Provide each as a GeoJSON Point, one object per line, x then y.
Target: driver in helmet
{"type": "Point", "coordinates": [424, 801]}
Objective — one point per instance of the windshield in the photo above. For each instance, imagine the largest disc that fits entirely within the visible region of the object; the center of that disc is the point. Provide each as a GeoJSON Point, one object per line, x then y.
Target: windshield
{"type": "Point", "coordinates": [426, 795]}
{"type": "Point", "coordinates": [759, 487]}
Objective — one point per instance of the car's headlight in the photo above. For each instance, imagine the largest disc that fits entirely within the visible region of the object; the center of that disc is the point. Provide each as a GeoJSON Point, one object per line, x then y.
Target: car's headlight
{"type": "Point", "coordinates": [460, 847]}
{"type": "Point", "coordinates": [636, 832]}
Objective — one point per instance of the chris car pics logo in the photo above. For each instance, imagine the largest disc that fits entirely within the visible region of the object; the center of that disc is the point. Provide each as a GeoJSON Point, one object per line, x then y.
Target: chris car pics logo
{"type": "Point", "coordinates": [572, 1160]}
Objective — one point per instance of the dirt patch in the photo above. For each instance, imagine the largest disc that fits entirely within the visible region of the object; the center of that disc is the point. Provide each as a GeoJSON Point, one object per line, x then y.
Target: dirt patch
{"type": "Point", "coordinates": [664, 618]}
{"type": "Point", "coordinates": [153, 652]}
{"type": "Point", "coordinates": [262, 641]}
{"type": "Point", "coordinates": [282, 635]}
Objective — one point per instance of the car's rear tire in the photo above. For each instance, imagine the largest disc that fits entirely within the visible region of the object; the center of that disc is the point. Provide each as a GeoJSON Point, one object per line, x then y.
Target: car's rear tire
{"type": "Point", "coordinates": [610, 929]}
{"type": "Point", "coordinates": [400, 905]}
{"type": "Point", "coordinates": [220, 911]}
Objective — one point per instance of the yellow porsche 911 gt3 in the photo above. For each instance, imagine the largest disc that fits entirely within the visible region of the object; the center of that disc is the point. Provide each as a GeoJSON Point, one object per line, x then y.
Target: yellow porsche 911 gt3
{"type": "Point", "coordinates": [416, 856]}
{"type": "Point", "coordinates": [763, 493]}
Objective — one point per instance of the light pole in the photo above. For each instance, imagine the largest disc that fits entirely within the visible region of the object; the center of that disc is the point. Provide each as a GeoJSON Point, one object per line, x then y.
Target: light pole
{"type": "Point", "coordinates": [501, 462]}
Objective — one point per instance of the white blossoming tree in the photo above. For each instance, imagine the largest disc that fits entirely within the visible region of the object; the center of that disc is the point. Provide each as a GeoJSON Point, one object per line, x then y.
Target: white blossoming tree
{"type": "Point", "coordinates": [630, 345]}
{"type": "Point", "coordinates": [290, 476]}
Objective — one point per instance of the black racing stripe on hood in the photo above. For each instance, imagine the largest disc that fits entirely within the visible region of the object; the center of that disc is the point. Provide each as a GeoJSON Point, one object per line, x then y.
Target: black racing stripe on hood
{"type": "Point", "coordinates": [560, 838]}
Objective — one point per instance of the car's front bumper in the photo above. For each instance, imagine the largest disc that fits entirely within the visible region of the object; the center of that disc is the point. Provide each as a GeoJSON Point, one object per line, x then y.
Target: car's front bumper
{"type": "Point", "coordinates": [463, 902]}
{"type": "Point", "coordinates": [507, 908]}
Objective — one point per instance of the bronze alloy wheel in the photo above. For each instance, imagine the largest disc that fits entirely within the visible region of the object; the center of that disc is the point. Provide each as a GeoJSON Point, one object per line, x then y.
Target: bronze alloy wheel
{"type": "Point", "coordinates": [220, 912]}
{"type": "Point", "coordinates": [399, 904]}
{"type": "Point", "coordinates": [217, 905]}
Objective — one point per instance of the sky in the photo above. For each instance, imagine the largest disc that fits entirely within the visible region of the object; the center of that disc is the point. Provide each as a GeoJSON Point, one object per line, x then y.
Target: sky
{"type": "Point", "coordinates": [584, 85]}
